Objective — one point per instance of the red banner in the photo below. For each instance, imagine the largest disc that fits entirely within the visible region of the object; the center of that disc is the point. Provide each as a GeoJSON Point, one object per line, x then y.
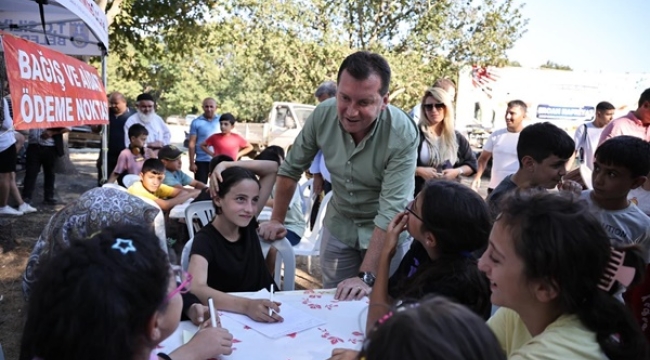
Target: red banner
{"type": "Point", "coordinates": [49, 89]}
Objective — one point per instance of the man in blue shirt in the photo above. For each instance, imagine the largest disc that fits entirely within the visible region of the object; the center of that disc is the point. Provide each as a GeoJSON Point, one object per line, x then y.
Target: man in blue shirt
{"type": "Point", "coordinates": [200, 129]}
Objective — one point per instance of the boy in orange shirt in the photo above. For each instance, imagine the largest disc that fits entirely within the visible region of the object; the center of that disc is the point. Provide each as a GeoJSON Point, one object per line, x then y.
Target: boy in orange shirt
{"type": "Point", "coordinates": [227, 142]}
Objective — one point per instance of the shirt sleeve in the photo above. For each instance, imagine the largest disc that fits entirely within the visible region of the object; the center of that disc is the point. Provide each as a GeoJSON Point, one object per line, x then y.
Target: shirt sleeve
{"type": "Point", "coordinates": [465, 154]}
{"type": "Point", "coordinates": [201, 246]}
{"type": "Point", "coordinates": [170, 179]}
{"type": "Point", "coordinates": [193, 128]}
{"type": "Point", "coordinates": [398, 184]}
{"type": "Point", "coordinates": [165, 191]}
{"type": "Point", "coordinates": [242, 142]}
{"type": "Point", "coordinates": [610, 131]}
{"type": "Point", "coordinates": [304, 148]}
{"type": "Point", "coordinates": [489, 144]}
{"type": "Point", "coordinates": [167, 135]}
{"type": "Point", "coordinates": [210, 140]}
{"type": "Point", "coordinates": [186, 179]}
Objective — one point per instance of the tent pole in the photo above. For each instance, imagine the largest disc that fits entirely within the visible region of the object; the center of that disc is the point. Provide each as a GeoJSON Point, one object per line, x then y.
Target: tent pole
{"type": "Point", "coordinates": [104, 129]}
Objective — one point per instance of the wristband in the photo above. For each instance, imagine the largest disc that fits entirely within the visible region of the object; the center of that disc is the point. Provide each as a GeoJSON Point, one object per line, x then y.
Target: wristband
{"type": "Point", "coordinates": [164, 356]}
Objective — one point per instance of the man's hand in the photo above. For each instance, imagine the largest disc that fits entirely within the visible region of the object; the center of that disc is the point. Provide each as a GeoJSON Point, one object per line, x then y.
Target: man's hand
{"type": "Point", "coordinates": [272, 230]}
{"type": "Point", "coordinates": [476, 183]}
{"type": "Point", "coordinates": [427, 173]}
{"type": "Point", "coordinates": [193, 167]}
{"type": "Point", "coordinates": [344, 354]}
{"type": "Point", "coordinates": [317, 184]}
{"type": "Point", "coordinates": [352, 289]}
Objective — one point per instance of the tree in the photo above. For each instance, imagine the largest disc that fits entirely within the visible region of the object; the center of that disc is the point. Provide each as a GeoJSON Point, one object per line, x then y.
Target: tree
{"type": "Point", "coordinates": [552, 65]}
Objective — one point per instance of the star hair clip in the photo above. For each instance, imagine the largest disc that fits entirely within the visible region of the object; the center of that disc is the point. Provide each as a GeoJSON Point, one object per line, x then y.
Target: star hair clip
{"type": "Point", "coordinates": [123, 245]}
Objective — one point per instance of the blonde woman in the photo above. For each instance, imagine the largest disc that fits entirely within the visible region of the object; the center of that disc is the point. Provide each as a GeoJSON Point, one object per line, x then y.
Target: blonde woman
{"type": "Point", "coordinates": [443, 153]}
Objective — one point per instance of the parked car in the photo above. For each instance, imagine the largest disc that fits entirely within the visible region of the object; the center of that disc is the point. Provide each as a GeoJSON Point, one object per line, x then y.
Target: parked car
{"type": "Point", "coordinates": [84, 137]}
{"type": "Point", "coordinates": [175, 120]}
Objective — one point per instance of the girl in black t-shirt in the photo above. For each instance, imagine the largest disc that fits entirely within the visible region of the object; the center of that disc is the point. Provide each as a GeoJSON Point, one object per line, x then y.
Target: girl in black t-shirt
{"type": "Point", "coordinates": [226, 254]}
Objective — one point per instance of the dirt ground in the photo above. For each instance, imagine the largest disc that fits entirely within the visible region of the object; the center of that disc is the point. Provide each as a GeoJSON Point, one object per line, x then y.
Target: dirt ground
{"type": "Point", "coordinates": [26, 229]}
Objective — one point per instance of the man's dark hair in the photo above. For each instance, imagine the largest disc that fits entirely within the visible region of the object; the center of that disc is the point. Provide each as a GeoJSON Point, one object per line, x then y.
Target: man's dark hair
{"type": "Point", "coordinates": [626, 151]}
{"type": "Point", "coordinates": [645, 96]}
{"type": "Point", "coordinates": [327, 88]}
{"type": "Point", "coordinates": [604, 106]}
{"type": "Point", "coordinates": [362, 64]}
{"type": "Point", "coordinates": [136, 130]}
{"type": "Point", "coordinates": [518, 103]}
{"type": "Point", "coordinates": [542, 140]}
{"type": "Point", "coordinates": [153, 165]}
{"type": "Point", "coordinates": [146, 97]}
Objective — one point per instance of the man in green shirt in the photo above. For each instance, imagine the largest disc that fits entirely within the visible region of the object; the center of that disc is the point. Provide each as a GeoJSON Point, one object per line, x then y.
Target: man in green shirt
{"type": "Point", "coordinates": [370, 149]}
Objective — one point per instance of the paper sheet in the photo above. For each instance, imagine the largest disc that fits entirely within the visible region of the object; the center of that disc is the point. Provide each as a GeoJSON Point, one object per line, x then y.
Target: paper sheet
{"type": "Point", "coordinates": [295, 320]}
{"type": "Point", "coordinates": [187, 336]}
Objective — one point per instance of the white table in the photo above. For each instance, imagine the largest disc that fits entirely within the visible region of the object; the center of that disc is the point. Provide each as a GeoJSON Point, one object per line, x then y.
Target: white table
{"type": "Point", "coordinates": [345, 321]}
{"type": "Point", "coordinates": [178, 211]}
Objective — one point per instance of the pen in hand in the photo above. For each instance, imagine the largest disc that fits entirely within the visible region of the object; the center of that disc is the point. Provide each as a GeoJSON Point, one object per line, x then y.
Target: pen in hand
{"type": "Point", "coordinates": [213, 314]}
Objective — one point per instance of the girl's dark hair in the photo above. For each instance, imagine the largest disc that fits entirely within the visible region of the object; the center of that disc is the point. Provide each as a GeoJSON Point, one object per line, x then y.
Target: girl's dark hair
{"type": "Point", "coordinates": [562, 243]}
{"type": "Point", "coordinates": [94, 302]}
{"type": "Point", "coordinates": [218, 159]}
{"type": "Point", "coordinates": [460, 221]}
{"type": "Point", "coordinates": [272, 153]}
{"type": "Point", "coordinates": [434, 329]}
{"type": "Point", "coordinates": [231, 177]}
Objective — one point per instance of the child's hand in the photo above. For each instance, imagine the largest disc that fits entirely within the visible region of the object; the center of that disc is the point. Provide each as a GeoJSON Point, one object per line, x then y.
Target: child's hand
{"type": "Point", "coordinates": [258, 310]}
{"type": "Point", "coordinates": [211, 342]}
{"type": "Point", "coordinates": [215, 178]}
{"type": "Point", "coordinates": [395, 228]}
{"type": "Point", "coordinates": [344, 354]}
{"type": "Point", "coordinates": [198, 313]}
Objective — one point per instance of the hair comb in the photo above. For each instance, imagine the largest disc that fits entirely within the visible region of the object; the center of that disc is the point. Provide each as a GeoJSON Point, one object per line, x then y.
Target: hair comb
{"type": "Point", "coordinates": [616, 271]}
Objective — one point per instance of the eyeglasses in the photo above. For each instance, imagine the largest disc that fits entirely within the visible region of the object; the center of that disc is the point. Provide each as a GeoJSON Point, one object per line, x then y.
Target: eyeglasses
{"type": "Point", "coordinates": [185, 280]}
{"type": "Point", "coordinates": [438, 106]}
{"type": "Point", "coordinates": [409, 208]}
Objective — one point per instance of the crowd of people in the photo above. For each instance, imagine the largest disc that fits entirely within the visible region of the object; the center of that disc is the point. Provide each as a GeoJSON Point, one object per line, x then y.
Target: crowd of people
{"type": "Point", "coordinates": [545, 268]}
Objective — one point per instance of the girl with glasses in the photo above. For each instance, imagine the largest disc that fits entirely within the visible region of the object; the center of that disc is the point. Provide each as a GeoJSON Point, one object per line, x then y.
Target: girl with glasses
{"type": "Point", "coordinates": [448, 221]}
{"type": "Point", "coordinates": [443, 153]}
{"type": "Point", "coordinates": [112, 296]}
{"type": "Point", "coordinates": [553, 273]}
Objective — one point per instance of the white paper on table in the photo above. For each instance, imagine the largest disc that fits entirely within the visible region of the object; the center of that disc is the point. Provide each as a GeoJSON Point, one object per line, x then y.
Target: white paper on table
{"type": "Point", "coordinates": [295, 320]}
{"type": "Point", "coordinates": [187, 336]}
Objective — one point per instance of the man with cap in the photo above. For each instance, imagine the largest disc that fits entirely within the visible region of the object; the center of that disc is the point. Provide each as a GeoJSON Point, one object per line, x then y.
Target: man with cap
{"type": "Point", "coordinates": [170, 155]}
{"type": "Point", "coordinates": [159, 134]}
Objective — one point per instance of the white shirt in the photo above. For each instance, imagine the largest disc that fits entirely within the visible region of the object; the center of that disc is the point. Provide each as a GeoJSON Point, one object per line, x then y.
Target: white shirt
{"type": "Point", "coordinates": [158, 130]}
{"type": "Point", "coordinates": [7, 137]}
{"type": "Point", "coordinates": [503, 146]}
{"type": "Point", "coordinates": [641, 198]}
{"type": "Point", "coordinates": [588, 143]}
{"type": "Point", "coordinates": [318, 167]}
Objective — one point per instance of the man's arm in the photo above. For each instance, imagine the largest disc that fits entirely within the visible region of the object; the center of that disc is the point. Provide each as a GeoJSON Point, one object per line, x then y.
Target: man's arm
{"type": "Point", "coordinates": [482, 164]}
{"type": "Point", "coordinates": [192, 152]}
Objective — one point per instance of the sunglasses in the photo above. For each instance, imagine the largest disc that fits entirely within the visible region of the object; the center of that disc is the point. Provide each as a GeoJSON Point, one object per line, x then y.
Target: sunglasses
{"type": "Point", "coordinates": [185, 280]}
{"type": "Point", "coordinates": [438, 106]}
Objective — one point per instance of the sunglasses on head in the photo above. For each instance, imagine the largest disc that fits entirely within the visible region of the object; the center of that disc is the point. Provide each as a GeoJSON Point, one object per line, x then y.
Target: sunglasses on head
{"type": "Point", "coordinates": [438, 106]}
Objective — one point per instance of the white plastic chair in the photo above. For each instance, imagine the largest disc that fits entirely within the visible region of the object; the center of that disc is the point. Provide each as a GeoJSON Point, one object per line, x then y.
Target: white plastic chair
{"type": "Point", "coordinates": [285, 257]}
{"type": "Point", "coordinates": [114, 186]}
{"type": "Point", "coordinates": [204, 210]}
{"type": "Point", "coordinates": [129, 180]}
{"type": "Point", "coordinates": [185, 255]}
{"type": "Point", "coordinates": [307, 197]}
{"type": "Point", "coordinates": [309, 245]}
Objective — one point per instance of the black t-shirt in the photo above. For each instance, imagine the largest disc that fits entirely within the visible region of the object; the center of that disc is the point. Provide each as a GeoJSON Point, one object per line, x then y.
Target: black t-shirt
{"type": "Point", "coordinates": [494, 199]}
{"type": "Point", "coordinates": [461, 281]}
{"type": "Point", "coordinates": [233, 266]}
{"type": "Point", "coordinates": [116, 132]}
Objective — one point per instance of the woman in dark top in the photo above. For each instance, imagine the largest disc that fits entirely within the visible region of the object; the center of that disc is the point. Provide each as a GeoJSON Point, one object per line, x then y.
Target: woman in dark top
{"type": "Point", "coordinates": [448, 221]}
{"type": "Point", "coordinates": [443, 152]}
{"type": "Point", "coordinates": [226, 254]}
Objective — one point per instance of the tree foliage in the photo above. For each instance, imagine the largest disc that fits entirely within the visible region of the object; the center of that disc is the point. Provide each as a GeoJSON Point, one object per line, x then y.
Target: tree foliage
{"type": "Point", "coordinates": [249, 53]}
{"type": "Point", "coordinates": [553, 65]}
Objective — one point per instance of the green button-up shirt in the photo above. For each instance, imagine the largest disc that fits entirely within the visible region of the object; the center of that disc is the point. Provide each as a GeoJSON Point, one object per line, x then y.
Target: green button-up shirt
{"type": "Point", "coordinates": [371, 181]}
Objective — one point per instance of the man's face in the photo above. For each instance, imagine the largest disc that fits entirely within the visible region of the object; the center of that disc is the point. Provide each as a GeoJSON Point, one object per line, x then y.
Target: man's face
{"type": "Point", "coordinates": [605, 116]}
{"type": "Point", "coordinates": [146, 106]}
{"type": "Point", "coordinates": [514, 117]}
{"type": "Point", "coordinates": [173, 165]}
{"type": "Point", "coordinates": [209, 108]}
{"type": "Point", "coordinates": [151, 181]}
{"type": "Point", "coordinates": [359, 103]}
{"type": "Point", "coordinates": [643, 113]}
{"type": "Point", "coordinates": [117, 106]}
{"type": "Point", "coordinates": [547, 173]}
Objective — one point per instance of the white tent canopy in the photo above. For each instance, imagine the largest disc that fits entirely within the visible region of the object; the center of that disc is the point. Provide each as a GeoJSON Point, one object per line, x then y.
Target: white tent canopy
{"type": "Point", "coordinates": [74, 27]}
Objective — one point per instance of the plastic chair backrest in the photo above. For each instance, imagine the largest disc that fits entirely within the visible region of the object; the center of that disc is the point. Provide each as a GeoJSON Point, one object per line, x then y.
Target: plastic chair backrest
{"type": "Point", "coordinates": [185, 255]}
{"type": "Point", "coordinates": [159, 224]}
{"type": "Point", "coordinates": [129, 180]}
{"type": "Point", "coordinates": [307, 200]}
{"type": "Point", "coordinates": [286, 256]}
{"type": "Point", "coordinates": [310, 244]}
{"type": "Point", "coordinates": [204, 210]}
